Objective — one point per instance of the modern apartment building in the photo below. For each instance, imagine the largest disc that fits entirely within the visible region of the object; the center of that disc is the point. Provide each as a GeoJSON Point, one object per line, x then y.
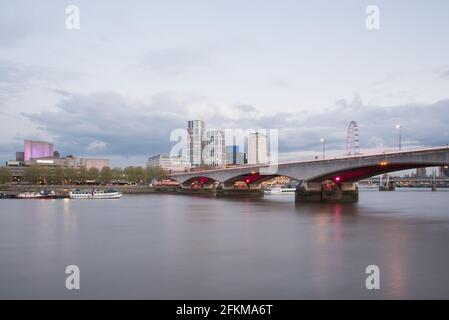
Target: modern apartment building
{"type": "Point", "coordinates": [257, 148]}
{"type": "Point", "coordinates": [214, 153]}
{"type": "Point", "coordinates": [195, 142]}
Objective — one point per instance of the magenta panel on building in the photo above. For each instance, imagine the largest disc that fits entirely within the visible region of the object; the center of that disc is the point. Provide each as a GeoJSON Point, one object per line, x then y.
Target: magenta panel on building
{"type": "Point", "coordinates": [37, 149]}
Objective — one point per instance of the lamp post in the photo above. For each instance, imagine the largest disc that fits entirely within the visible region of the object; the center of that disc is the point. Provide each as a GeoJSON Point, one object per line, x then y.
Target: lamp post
{"type": "Point", "coordinates": [323, 141]}
{"type": "Point", "coordinates": [399, 127]}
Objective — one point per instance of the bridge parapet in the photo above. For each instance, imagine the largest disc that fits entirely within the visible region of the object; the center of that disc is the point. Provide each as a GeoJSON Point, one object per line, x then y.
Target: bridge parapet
{"type": "Point", "coordinates": [339, 170]}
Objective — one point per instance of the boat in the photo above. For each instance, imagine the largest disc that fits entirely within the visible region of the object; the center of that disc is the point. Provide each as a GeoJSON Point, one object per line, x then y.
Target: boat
{"type": "Point", "coordinates": [44, 194]}
{"type": "Point", "coordinates": [95, 194]}
{"type": "Point", "coordinates": [273, 191]}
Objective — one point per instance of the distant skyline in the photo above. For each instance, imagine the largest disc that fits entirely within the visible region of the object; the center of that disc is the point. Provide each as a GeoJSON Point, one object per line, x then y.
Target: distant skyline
{"type": "Point", "coordinates": [134, 72]}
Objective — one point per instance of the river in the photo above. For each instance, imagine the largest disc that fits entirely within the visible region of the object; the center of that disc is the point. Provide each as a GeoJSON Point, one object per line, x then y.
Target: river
{"type": "Point", "coordinates": [192, 247]}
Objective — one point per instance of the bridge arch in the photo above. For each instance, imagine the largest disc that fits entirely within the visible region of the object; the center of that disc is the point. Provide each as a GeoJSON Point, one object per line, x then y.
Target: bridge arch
{"type": "Point", "coordinates": [199, 181]}
{"type": "Point", "coordinates": [252, 178]}
{"type": "Point", "coordinates": [355, 174]}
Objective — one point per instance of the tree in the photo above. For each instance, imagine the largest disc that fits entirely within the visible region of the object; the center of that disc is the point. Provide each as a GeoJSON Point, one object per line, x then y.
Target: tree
{"type": "Point", "coordinates": [156, 173]}
{"type": "Point", "coordinates": [135, 174]}
{"type": "Point", "coordinates": [82, 175]}
{"type": "Point", "coordinates": [32, 174]}
{"type": "Point", "coordinates": [70, 175]}
{"type": "Point", "coordinates": [44, 175]}
{"type": "Point", "coordinates": [56, 176]}
{"type": "Point", "coordinates": [106, 175]}
{"type": "Point", "coordinates": [117, 173]}
{"type": "Point", "coordinates": [5, 175]}
{"type": "Point", "coordinates": [93, 173]}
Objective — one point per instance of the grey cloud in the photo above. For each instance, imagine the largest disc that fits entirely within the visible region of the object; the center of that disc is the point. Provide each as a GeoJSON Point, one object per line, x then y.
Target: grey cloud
{"type": "Point", "coordinates": [247, 108]}
{"type": "Point", "coordinates": [109, 124]}
{"type": "Point", "coordinates": [175, 61]}
{"type": "Point", "coordinates": [16, 78]}
{"type": "Point", "coordinates": [445, 74]}
{"type": "Point", "coordinates": [123, 126]}
{"type": "Point", "coordinates": [423, 125]}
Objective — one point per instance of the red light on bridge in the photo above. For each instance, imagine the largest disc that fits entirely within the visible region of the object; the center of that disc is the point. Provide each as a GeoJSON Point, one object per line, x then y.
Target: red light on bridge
{"type": "Point", "coordinates": [337, 179]}
{"type": "Point", "coordinates": [247, 180]}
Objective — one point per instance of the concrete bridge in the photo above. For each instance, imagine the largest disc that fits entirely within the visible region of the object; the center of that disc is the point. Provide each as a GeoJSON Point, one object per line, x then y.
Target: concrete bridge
{"type": "Point", "coordinates": [321, 180]}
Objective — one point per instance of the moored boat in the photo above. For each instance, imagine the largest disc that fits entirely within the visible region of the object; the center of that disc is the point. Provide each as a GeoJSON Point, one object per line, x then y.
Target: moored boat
{"type": "Point", "coordinates": [44, 194]}
{"type": "Point", "coordinates": [95, 194]}
{"type": "Point", "coordinates": [285, 191]}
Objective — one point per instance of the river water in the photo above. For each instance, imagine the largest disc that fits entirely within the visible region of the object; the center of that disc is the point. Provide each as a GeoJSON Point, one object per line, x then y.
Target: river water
{"type": "Point", "coordinates": [189, 247]}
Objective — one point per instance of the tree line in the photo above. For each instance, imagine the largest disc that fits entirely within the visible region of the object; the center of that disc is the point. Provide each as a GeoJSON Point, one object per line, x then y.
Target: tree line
{"type": "Point", "coordinates": [57, 175]}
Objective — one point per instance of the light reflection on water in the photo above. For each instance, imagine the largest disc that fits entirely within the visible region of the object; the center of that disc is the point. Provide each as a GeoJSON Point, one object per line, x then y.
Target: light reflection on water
{"type": "Point", "coordinates": [182, 247]}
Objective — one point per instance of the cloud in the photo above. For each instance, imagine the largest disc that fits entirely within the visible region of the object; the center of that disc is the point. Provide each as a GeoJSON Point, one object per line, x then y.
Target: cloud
{"type": "Point", "coordinates": [175, 61]}
{"type": "Point", "coordinates": [445, 74]}
{"type": "Point", "coordinates": [115, 125]}
{"type": "Point", "coordinates": [96, 145]}
{"type": "Point", "coordinates": [16, 79]}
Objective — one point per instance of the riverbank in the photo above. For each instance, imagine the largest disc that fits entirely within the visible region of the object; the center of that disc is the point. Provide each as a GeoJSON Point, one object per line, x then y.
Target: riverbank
{"type": "Point", "coordinates": [63, 190]}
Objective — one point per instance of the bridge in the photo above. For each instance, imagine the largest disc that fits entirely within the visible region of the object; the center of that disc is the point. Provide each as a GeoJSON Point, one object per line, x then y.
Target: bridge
{"type": "Point", "coordinates": [320, 180]}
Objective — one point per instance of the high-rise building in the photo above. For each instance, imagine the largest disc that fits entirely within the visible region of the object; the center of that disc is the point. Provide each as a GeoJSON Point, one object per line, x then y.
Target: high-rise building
{"type": "Point", "coordinates": [257, 148]}
{"type": "Point", "coordinates": [195, 142]}
{"type": "Point", "coordinates": [233, 156]}
{"type": "Point", "coordinates": [214, 153]}
{"type": "Point", "coordinates": [37, 149]}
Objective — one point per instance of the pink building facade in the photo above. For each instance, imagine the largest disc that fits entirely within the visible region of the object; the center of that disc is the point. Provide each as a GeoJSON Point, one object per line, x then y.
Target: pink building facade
{"type": "Point", "coordinates": [37, 149]}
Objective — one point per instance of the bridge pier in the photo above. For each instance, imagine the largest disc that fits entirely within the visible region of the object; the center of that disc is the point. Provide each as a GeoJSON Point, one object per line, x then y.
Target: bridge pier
{"type": "Point", "coordinates": [327, 191]}
{"type": "Point", "coordinates": [253, 190]}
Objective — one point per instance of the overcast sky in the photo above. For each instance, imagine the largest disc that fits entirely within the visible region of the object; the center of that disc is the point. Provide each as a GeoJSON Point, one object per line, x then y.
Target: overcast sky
{"type": "Point", "coordinates": [135, 70]}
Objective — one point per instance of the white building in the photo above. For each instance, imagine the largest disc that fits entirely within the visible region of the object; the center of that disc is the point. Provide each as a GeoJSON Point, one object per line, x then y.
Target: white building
{"type": "Point", "coordinates": [214, 153]}
{"type": "Point", "coordinates": [195, 142]}
{"type": "Point", "coordinates": [257, 148]}
{"type": "Point", "coordinates": [168, 163]}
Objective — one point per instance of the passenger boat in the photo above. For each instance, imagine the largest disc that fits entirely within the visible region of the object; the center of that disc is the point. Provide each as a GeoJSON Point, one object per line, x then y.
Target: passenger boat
{"type": "Point", "coordinates": [285, 191]}
{"type": "Point", "coordinates": [44, 194]}
{"type": "Point", "coordinates": [95, 194]}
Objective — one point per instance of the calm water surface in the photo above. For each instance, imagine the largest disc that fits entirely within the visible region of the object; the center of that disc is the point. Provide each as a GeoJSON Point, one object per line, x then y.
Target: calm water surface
{"type": "Point", "coordinates": [184, 247]}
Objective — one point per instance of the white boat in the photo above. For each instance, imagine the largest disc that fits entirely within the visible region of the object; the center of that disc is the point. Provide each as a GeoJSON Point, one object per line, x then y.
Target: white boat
{"type": "Point", "coordinates": [29, 195]}
{"type": "Point", "coordinates": [36, 195]}
{"type": "Point", "coordinates": [280, 191]}
{"type": "Point", "coordinates": [95, 194]}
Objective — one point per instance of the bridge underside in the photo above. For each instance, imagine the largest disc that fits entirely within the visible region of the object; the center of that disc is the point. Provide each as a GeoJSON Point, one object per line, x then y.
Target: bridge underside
{"type": "Point", "coordinates": [360, 173]}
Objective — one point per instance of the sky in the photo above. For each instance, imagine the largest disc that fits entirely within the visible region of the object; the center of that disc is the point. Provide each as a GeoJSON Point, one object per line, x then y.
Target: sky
{"type": "Point", "coordinates": [136, 70]}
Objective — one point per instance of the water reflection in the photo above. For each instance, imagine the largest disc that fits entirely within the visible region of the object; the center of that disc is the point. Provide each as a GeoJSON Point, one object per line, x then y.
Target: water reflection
{"type": "Point", "coordinates": [181, 247]}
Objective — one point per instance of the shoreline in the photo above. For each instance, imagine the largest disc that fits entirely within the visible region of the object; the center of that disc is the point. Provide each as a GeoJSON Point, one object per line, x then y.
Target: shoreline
{"type": "Point", "coordinates": [63, 190]}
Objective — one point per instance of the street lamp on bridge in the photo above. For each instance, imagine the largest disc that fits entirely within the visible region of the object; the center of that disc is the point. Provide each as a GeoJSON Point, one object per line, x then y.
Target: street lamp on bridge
{"type": "Point", "coordinates": [399, 127]}
{"type": "Point", "coordinates": [323, 141]}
